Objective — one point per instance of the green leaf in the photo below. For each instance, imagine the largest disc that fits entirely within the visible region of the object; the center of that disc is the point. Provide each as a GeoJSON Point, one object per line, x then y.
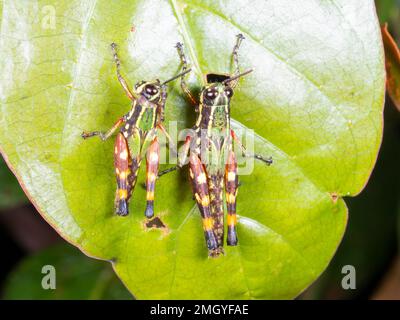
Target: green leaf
{"type": "Point", "coordinates": [11, 193]}
{"type": "Point", "coordinates": [387, 9]}
{"type": "Point", "coordinates": [374, 215]}
{"type": "Point", "coordinates": [314, 102]}
{"type": "Point", "coordinates": [77, 277]}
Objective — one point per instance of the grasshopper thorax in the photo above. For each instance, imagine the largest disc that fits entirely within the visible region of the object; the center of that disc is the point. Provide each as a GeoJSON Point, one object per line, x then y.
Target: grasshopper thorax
{"type": "Point", "coordinates": [151, 90]}
{"type": "Point", "coordinates": [219, 88]}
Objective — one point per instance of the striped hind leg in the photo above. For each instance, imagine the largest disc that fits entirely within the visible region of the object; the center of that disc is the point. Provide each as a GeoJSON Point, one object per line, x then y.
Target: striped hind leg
{"type": "Point", "coordinates": [231, 189]}
{"type": "Point", "coordinates": [201, 194]}
{"type": "Point", "coordinates": [152, 157]}
{"type": "Point", "coordinates": [122, 171]}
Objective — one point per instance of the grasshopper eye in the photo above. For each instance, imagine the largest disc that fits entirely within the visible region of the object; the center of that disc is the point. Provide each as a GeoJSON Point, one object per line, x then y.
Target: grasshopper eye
{"type": "Point", "coordinates": [211, 93]}
{"type": "Point", "coordinates": [229, 92]}
{"type": "Point", "coordinates": [151, 90]}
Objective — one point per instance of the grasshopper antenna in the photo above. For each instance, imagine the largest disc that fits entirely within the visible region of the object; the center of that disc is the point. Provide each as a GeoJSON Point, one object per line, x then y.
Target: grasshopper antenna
{"type": "Point", "coordinates": [237, 76]}
{"type": "Point", "coordinates": [177, 76]}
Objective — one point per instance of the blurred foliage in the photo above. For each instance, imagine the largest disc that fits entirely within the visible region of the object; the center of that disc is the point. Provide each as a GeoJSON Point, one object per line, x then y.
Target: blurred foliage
{"type": "Point", "coordinates": [388, 10]}
{"type": "Point", "coordinates": [392, 55]}
{"type": "Point", "coordinates": [77, 277]}
{"type": "Point", "coordinates": [11, 193]}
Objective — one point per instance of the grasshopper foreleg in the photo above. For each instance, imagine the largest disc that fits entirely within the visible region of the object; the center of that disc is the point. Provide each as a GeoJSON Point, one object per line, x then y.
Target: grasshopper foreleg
{"type": "Point", "coordinates": [184, 85]}
{"type": "Point", "coordinates": [121, 79]}
{"type": "Point", "coordinates": [103, 135]}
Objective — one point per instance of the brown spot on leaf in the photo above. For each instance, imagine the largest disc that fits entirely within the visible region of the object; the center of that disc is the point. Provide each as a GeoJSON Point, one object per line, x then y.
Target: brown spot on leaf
{"type": "Point", "coordinates": [155, 223]}
{"type": "Point", "coordinates": [334, 197]}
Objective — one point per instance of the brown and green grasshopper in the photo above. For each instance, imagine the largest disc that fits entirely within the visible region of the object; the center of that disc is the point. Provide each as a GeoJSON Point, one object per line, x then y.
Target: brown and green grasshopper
{"type": "Point", "coordinates": [212, 133]}
{"type": "Point", "coordinates": [137, 138]}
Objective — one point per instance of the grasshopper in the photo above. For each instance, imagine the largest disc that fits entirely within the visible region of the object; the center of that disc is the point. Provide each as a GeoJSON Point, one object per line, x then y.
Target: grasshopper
{"type": "Point", "coordinates": [137, 138]}
{"type": "Point", "coordinates": [212, 133]}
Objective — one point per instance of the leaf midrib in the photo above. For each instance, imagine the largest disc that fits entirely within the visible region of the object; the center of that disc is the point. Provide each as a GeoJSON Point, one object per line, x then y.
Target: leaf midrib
{"type": "Point", "coordinates": [186, 37]}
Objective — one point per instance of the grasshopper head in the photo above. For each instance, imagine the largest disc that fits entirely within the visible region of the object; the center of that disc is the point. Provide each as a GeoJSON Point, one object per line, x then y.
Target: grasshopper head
{"type": "Point", "coordinates": [151, 90]}
{"type": "Point", "coordinates": [216, 94]}
{"type": "Point", "coordinates": [154, 91]}
{"type": "Point", "coordinates": [219, 88]}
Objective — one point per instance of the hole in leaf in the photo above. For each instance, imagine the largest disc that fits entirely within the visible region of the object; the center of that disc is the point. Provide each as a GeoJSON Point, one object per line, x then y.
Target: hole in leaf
{"type": "Point", "coordinates": [155, 223]}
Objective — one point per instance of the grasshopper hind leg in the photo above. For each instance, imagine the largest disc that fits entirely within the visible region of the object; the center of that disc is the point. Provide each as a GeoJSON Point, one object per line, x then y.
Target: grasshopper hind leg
{"type": "Point", "coordinates": [122, 172]}
{"type": "Point", "coordinates": [201, 193]}
{"type": "Point", "coordinates": [152, 159]}
{"type": "Point", "coordinates": [231, 188]}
